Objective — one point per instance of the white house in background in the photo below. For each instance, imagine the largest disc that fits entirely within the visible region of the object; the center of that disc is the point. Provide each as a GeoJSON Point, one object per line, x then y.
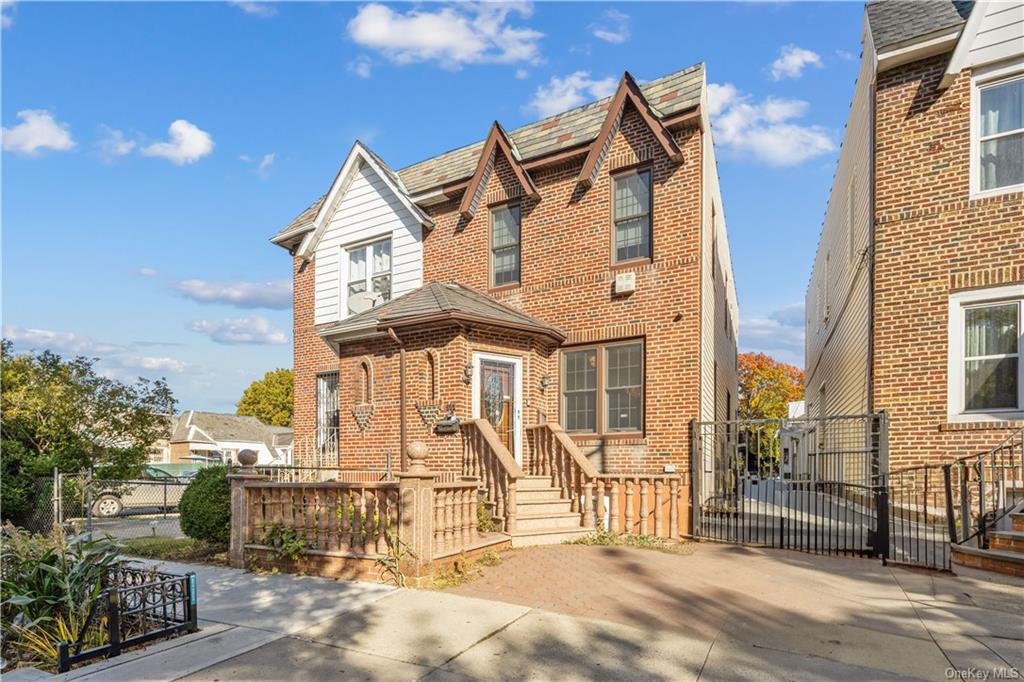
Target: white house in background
{"type": "Point", "coordinates": [221, 436]}
{"type": "Point", "coordinates": [366, 237]}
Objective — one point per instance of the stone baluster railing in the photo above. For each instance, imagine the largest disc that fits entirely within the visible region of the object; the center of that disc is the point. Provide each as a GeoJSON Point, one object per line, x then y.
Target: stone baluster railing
{"type": "Point", "coordinates": [641, 504]}
{"type": "Point", "coordinates": [455, 517]}
{"type": "Point", "coordinates": [487, 459]}
{"type": "Point", "coordinates": [553, 453]}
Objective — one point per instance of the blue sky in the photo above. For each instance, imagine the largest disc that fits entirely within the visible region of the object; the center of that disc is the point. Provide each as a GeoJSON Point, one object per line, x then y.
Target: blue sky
{"type": "Point", "coordinates": [151, 149]}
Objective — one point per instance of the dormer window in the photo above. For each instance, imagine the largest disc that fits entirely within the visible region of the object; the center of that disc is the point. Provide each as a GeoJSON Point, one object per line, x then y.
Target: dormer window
{"type": "Point", "coordinates": [998, 131]}
{"type": "Point", "coordinates": [369, 275]}
{"type": "Point", "coordinates": [632, 216]}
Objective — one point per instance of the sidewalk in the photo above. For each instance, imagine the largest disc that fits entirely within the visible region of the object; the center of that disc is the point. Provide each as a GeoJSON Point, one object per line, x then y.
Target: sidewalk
{"type": "Point", "coordinates": [574, 612]}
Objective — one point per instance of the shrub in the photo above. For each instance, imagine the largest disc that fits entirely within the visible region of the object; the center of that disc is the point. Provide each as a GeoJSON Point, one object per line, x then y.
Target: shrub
{"type": "Point", "coordinates": [49, 584]}
{"type": "Point", "coordinates": [206, 506]}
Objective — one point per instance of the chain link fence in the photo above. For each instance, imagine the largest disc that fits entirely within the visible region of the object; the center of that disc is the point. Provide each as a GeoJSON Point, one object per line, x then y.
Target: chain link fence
{"type": "Point", "coordinates": [146, 506]}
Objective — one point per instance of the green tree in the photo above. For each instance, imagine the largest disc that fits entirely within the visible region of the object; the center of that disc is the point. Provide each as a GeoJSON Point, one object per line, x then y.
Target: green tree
{"type": "Point", "coordinates": [269, 399]}
{"type": "Point", "coordinates": [61, 413]}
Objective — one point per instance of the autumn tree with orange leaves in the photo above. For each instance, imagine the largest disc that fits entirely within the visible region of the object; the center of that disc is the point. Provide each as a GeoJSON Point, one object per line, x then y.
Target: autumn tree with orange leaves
{"type": "Point", "coordinates": [767, 386]}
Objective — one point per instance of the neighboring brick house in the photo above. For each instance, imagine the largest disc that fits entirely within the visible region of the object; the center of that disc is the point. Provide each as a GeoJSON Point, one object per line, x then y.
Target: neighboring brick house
{"type": "Point", "coordinates": [573, 271]}
{"type": "Point", "coordinates": [915, 302]}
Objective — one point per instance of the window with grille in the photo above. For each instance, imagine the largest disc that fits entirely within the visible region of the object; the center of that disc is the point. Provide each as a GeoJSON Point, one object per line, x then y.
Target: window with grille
{"type": "Point", "coordinates": [632, 215]}
{"type": "Point", "coordinates": [603, 388]}
{"type": "Point", "coordinates": [505, 228]}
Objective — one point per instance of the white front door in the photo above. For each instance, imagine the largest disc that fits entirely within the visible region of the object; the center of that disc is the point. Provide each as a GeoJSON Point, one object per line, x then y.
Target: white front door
{"type": "Point", "coordinates": [498, 397]}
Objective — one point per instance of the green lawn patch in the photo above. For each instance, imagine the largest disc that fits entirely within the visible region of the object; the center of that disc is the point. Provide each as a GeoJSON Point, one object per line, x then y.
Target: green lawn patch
{"type": "Point", "coordinates": [176, 549]}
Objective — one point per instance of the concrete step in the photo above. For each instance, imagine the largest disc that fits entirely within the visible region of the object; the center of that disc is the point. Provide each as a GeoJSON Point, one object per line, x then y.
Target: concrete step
{"type": "Point", "coordinates": [535, 507]}
{"type": "Point", "coordinates": [995, 560]}
{"type": "Point", "coordinates": [533, 494]}
{"type": "Point", "coordinates": [1017, 520]}
{"type": "Point", "coordinates": [548, 536]}
{"type": "Point", "coordinates": [563, 521]}
{"type": "Point", "coordinates": [1007, 540]}
{"type": "Point", "coordinates": [533, 482]}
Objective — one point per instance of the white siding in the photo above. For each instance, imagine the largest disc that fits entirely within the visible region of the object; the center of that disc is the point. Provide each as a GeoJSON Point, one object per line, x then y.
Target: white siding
{"type": "Point", "coordinates": [836, 356]}
{"type": "Point", "coordinates": [1000, 34]}
{"type": "Point", "coordinates": [368, 211]}
{"type": "Point", "coordinates": [718, 301]}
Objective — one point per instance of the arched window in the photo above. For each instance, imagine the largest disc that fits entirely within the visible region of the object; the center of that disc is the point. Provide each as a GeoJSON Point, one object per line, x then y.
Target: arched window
{"type": "Point", "coordinates": [430, 379]}
{"type": "Point", "coordinates": [364, 383]}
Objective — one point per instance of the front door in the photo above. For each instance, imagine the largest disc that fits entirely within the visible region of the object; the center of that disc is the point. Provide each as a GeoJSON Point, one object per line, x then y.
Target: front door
{"type": "Point", "coordinates": [496, 398]}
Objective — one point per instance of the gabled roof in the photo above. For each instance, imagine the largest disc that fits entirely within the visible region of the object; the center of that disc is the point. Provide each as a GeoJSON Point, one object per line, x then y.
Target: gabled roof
{"type": "Point", "coordinates": [315, 218]}
{"type": "Point", "coordinates": [675, 94]}
{"type": "Point", "coordinates": [436, 302]}
{"type": "Point", "coordinates": [497, 140]}
{"type": "Point", "coordinates": [628, 91]}
{"type": "Point", "coordinates": [213, 427]}
{"type": "Point", "coordinates": [897, 21]}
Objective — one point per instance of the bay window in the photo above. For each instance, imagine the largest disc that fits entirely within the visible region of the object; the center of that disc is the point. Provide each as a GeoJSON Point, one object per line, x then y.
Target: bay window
{"type": "Point", "coordinates": [603, 389]}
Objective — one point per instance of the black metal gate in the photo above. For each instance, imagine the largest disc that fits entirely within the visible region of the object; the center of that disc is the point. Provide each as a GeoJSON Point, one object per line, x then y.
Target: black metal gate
{"type": "Point", "coordinates": [803, 484]}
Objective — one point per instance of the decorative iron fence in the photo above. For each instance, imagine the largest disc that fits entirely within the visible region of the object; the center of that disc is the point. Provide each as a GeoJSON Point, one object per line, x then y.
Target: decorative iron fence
{"type": "Point", "coordinates": [138, 606]}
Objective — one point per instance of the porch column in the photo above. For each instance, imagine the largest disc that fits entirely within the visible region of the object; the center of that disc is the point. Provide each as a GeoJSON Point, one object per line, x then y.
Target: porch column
{"type": "Point", "coordinates": [416, 510]}
{"type": "Point", "coordinates": [239, 506]}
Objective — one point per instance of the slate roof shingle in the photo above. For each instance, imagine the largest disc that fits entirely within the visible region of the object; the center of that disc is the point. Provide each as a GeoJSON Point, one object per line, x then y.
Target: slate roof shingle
{"type": "Point", "coordinates": [224, 427]}
{"type": "Point", "coordinates": [895, 21]}
{"type": "Point", "coordinates": [667, 95]}
{"type": "Point", "coordinates": [436, 299]}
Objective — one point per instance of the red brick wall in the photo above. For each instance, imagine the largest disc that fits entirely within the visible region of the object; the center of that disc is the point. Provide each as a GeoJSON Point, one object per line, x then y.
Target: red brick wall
{"type": "Point", "coordinates": [567, 279]}
{"type": "Point", "coordinates": [931, 240]}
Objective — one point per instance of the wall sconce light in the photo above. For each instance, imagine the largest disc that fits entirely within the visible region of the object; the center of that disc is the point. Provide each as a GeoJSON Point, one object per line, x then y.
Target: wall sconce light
{"type": "Point", "coordinates": [545, 381]}
{"type": "Point", "coordinates": [467, 373]}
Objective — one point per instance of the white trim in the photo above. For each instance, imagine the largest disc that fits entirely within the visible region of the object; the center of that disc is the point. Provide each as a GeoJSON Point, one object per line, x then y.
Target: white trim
{"type": "Point", "coordinates": [517, 423]}
{"type": "Point", "coordinates": [357, 158]}
{"type": "Point", "coordinates": [982, 77]}
{"type": "Point", "coordinates": [955, 365]}
{"type": "Point", "coordinates": [963, 46]}
{"type": "Point", "coordinates": [920, 48]}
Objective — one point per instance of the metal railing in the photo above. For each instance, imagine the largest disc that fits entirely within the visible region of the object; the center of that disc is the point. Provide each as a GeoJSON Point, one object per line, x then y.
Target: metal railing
{"type": "Point", "coordinates": [137, 606]}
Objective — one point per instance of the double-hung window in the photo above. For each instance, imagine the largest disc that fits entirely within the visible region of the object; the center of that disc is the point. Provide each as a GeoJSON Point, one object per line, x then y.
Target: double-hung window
{"type": "Point", "coordinates": [603, 389]}
{"type": "Point", "coordinates": [999, 128]}
{"type": "Point", "coordinates": [369, 270]}
{"type": "Point", "coordinates": [505, 224]}
{"type": "Point", "coordinates": [632, 216]}
{"type": "Point", "coordinates": [985, 370]}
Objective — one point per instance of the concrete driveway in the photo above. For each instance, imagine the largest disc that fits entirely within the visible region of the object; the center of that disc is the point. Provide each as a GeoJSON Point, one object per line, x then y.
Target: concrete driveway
{"type": "Point", "coordinates": [574, 612]}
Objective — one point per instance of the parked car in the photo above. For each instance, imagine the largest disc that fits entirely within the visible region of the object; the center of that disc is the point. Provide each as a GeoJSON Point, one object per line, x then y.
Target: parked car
{"type": "Point", "coordinates": [155, 488]}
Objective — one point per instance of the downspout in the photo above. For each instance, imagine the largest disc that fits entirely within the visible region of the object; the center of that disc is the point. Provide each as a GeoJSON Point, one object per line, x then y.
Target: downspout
{"type": "Point", "coordinates": [401, 398]}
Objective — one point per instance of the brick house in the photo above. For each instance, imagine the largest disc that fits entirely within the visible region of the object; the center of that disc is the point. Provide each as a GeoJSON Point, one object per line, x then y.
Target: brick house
{"type": "Point", "coordinates": [915, 302]}
{"type": "Point", "coordinates": [572, 273]}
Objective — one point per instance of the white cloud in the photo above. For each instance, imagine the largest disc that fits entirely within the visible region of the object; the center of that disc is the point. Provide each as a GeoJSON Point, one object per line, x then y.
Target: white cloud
{"type": "Point", "coordinates": [6, 13]}
{"type": "Point", "coordinates": [265, 163]}
{"type": "Point", "coordinates": [261, 9]}
{"type": "Point", "coordinates": [361, 66]}
{"type": "Point", "coordinates": [187, 144]}
{"type": "Point", "coordinates": [845, 55]}
{"type": "Point", "coordinates": [765, 129]}
{"type": "Point", "coordinates": [59, 342]}
{"type": "Point", "coordinates": [780, 334]}
{"type": "Point", "coordinates": [276, 294]}
{"type": "Point", "coordinates": [613, 27]}
{"type": "Point", "coordinates": [114, 144]}
{"type": "Point", "coordinates": [243, 330]}
{"type": "Point", "coordinates": [522, 74]}
{"type": "Point", "coordinates": [470, 33]}
{"type": "Point", "coordinates": [114, 358]}
{"type": "Point", "coordinates": [565, 93]}
{"type": "Point", "coordinates": [147, 272]}
{"type": "Point", "coordinates": [792, 61]}
{"type": "Point", "coordinates": [162, 364]}
{"type": "Point", "coordinates": [38, 130]}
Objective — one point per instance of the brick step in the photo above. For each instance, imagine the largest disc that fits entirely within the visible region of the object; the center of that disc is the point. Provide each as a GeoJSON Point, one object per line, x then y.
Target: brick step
{"type": "Point", "coordinates": [533, 482]}
{"type": "Point", "coordinates": [537, 507]}
{"type": "Point", "coordinates": [1017, 520]}
{"type": "Point", "coordinates": [532, 494]}
{"type": "Point", "coordinates": [564, 521]}
{"type": "Point", "coordinates": [1007, 540]}
{"type": "Point", "coordinates": [995, 560]}
{"type": "Point", "coordinates": [547, 536]}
